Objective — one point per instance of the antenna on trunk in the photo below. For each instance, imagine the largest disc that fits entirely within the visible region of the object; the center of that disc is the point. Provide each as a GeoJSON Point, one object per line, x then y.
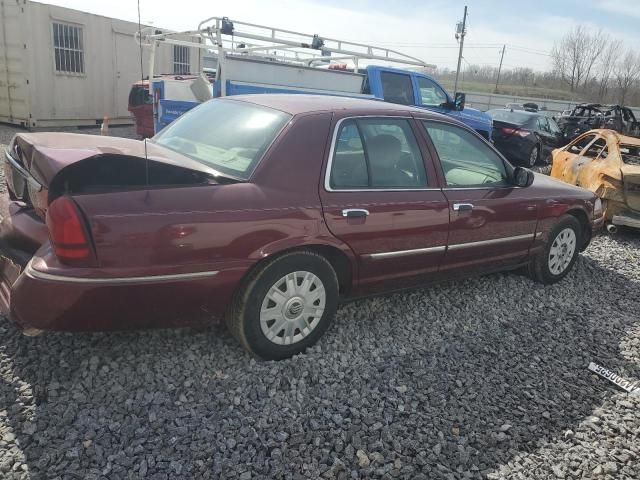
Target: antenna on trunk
{"type": "Point", "coordinates": [146, 158]}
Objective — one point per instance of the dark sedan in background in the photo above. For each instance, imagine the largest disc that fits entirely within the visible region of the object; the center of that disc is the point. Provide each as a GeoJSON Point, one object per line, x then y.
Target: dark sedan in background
{"type": "Point", "coordinates": [525, 138]}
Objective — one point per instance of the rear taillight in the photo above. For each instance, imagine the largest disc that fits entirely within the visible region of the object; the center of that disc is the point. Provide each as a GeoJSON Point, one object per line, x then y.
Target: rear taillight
{"type": "Point", "coordinates": [69, 234]}
{"type": "Point", "coordinates": [516, 131]}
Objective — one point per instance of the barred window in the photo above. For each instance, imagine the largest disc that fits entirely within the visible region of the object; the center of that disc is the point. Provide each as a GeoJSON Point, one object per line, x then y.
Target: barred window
{"type": "Point", "coordinates": [68, 48]}
{"type": "Point", "coordinates": [181, 63]}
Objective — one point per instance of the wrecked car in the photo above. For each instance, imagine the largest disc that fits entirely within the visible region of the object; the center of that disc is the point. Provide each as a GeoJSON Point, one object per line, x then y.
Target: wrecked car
{"type": "Point", "coordinates": [270, 219]}
{"type": "Point", "coordinates": [590, 116]}
{"type": "Point", "coordinates": [525, 137]}
{"type": "Point", "coordinates": [608, 164]}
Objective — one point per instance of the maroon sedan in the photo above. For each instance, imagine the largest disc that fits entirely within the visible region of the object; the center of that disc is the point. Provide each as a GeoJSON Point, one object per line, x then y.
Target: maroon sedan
{"type": "Point", "coordinates": [268, 210]}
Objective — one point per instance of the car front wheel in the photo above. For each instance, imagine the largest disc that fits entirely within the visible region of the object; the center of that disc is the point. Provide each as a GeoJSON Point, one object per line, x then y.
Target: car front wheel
{"type": "Point", "coordinates": [285, 306]}
{"type": "Point", "coordinates": [560, 252]}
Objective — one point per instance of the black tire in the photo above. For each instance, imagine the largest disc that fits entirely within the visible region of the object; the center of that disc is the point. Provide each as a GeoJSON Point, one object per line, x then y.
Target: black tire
{"type": "Point", "coordinates": [539, 268]}
{"type": "Point", "coordinates": [243, 319]}
{"type": "Point", "coordinates": [534, 155]}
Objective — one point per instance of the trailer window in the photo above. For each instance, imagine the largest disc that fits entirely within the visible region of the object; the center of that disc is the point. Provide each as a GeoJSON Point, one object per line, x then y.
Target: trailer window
{"type": "Point", "coordinates": [68, 48]}
{"type": "Point", "coordinates": [181, 62]}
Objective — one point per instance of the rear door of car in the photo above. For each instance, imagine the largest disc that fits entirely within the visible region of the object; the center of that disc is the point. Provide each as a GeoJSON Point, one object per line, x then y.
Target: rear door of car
{"type": "Point", "coordinates": [569, 163]}
{"type": "Point", "coordinates": [493, 222]}
{"type": "Point", "coordinates": [381, 197]}
{"type": "Point", "coordinates": [546, 136]}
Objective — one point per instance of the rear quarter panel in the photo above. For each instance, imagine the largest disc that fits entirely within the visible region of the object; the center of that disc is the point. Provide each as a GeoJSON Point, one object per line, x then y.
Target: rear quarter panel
{"type": "Point", "coordinates": [216, 227]}
{"type": "Point", "coordinates": [555, 199]}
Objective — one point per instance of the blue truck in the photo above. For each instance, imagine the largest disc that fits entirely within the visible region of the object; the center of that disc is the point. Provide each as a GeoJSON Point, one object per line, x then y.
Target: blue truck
{"type": "Point", "coordinates": [270, 67]}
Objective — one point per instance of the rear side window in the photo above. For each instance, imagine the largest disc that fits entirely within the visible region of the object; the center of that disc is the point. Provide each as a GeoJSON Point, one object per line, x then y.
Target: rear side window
{"type": "Point", "coordinates": [466, 160]}
{"type": "Point", "coordinates": [579, 145]}
{"type": "Point", "coordinates": [397, 88]}
{"type": "Point", "coordinates": [543, 124]}
{"type": "Point", "coordinates": [376, 153]}
{"type": "Point", "coordinates": [597, 149]}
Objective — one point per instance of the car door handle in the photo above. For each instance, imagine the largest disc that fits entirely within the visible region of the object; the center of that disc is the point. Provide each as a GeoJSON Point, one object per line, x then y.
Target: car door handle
{"type": "Point", "coordinates": [462, 207]}
{"type": "Point", "coordinates": [355, 212]}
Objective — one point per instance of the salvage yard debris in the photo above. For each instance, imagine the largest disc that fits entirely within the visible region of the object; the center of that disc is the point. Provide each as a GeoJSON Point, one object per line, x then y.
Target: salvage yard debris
{"type": "Point", "coordinates": [626, 385]}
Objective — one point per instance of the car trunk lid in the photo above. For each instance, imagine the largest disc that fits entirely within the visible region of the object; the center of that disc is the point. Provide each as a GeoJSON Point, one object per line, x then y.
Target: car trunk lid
{"type": "Point", "coordinates": [504, 130]}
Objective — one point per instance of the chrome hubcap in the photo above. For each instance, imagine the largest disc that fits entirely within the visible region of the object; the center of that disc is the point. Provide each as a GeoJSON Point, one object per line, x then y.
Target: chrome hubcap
{"type": "Point", "coordinates": [292, 308]}
{"type": "Point", "coordinates": [562, 250]}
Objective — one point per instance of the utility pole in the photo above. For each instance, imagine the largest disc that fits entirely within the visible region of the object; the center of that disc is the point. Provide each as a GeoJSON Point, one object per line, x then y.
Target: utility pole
{"type": "Point", "coordinates": [461, 31]}
{"type": "Point", "coordinates": [499, 69]}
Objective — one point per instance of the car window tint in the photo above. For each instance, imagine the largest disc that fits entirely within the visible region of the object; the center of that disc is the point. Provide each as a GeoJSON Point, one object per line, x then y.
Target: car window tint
{"type": "Point", "coordinates": [376, 153]}
{"type": "Point", "coordinates": [349, 168]}
{"type": "Point", "coordinates": [397, 88]}
{"type": "Point", "coordinates": [431, 94]}
{"type": "Point", "coordinates": [596, 148]}
{"type": "Point", "coordinates": [466, 160]}
{"type": "Point", "coordinates": [579, 145]}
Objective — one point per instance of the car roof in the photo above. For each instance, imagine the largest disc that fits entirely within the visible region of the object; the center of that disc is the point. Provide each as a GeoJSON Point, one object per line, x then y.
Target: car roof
{"type": "Point", "coordinates": [296, 104]}
{"type": "Point", "coordinates": [612, 134]}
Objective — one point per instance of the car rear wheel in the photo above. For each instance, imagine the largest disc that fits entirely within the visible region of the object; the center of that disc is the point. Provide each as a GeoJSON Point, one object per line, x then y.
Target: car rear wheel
{"type": "Point", "coordinates": [533, 156]}
{"type": "Point", "coordinates": [285, 306]}
{"type": "Point", "coordinates": [560, 252]}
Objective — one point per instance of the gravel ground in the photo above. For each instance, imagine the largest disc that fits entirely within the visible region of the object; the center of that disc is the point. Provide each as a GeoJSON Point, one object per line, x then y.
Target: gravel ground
{"type": "Point", "coordinates": [483, 378]}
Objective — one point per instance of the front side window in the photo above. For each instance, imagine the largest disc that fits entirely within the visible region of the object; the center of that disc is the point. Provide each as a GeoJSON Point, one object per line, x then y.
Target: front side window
{"type": "Point", "coordinates": [181, 62]}
{"type": "Point", "coordinates": [233, 146]}
{"type": "Point", "coordinates": [466, 160]}
{"type": "Point", "coordinates": [68, 48]}
{"type": "Point", "coordinates": [376, 153]}
{"type": "Point", "coordinates": [630, 154]}
{"type": "Point", "coordinates": [397, 88]}
{"type": "Point", "coordinates": [431, 94]}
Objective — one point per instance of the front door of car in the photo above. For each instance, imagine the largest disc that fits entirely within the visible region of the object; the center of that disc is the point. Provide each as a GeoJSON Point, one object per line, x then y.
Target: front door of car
{"type": "Point", "coordinates": [381, 198]}
{"type": "Point", "coordinates": [493, 222]}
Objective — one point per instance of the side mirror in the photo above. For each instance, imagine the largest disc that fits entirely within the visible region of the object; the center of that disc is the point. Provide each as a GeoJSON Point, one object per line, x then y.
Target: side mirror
{"type": "Point", "coordinates": [459, 101]}
{"type": "Point", "coordinates": [523, 177]}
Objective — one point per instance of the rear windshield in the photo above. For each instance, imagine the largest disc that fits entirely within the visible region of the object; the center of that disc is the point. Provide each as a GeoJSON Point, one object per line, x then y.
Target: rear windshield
{"type": "Point", "coordinates": [519, 118]}
{"type": "Point", "coordinates": [139, 96]}
{"type": "Point", "coordinates": [227, 135]}
{"type": "Point", "coordinates": [630, 154]}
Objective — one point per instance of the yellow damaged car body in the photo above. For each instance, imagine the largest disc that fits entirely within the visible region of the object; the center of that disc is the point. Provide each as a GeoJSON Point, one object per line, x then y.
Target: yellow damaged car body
{"type": "Point", "coordinates": [608, 164]}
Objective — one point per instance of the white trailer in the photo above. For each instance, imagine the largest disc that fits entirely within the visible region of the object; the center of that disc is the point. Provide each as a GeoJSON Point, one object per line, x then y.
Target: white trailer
{"type": "Point", "coordinates": [64, 67]}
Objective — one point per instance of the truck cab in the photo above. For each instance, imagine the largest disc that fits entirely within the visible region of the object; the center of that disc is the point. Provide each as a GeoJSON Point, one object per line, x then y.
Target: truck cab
{"type": "Point", "coordinates": [407, 87]}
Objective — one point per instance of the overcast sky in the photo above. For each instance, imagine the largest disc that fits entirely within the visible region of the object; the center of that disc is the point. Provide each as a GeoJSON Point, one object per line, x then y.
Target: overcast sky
{"type": "Point", "coordinates": [424, 28]}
